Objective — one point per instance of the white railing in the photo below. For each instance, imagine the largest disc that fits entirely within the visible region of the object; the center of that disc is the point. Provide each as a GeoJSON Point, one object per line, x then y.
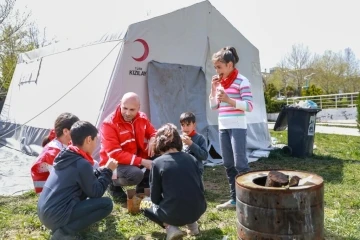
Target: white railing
{"type": "Point", "coordinates": [341, 100]}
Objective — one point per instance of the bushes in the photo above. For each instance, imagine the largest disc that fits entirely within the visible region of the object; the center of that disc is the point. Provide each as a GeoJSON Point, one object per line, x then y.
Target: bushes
{"type": "Point", "coordinates": [344, 102]}
{"type": "Point", "coordinates": [311, 91]}
{"type": "Point", "coordinates": [272, 106]}
{"type": "Point", "coordinates": [275, 106]}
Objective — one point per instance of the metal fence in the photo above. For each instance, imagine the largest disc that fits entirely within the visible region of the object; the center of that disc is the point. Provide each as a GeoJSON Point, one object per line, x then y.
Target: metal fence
{"type": "Point", "coordinates": [341, 100]}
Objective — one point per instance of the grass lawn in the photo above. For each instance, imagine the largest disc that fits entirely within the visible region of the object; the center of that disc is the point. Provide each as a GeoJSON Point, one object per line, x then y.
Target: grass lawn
{"type": "Point", "coordinates": [336, 159]}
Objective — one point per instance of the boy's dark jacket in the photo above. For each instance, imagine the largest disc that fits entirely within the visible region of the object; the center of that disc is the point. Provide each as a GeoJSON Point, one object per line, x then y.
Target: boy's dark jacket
{"type": "Point", "coordinates": [198, 149]}
{"type": "Point", "coordinates": [71, 181]}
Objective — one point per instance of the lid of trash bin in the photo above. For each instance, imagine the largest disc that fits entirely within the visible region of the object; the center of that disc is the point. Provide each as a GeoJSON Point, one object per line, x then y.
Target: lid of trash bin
{"type": "Point", "coordinates": [281, 121]}
{"type": "Point", "coordinates": [312, 110]}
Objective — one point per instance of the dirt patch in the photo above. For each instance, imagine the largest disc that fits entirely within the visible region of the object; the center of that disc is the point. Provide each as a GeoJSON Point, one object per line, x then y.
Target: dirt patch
{"type": "Point", "coordinates": [211, 186]}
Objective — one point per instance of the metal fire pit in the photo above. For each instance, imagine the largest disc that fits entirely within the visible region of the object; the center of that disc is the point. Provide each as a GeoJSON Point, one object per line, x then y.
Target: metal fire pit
{"type": "Point", "coordinates": [274, 213]}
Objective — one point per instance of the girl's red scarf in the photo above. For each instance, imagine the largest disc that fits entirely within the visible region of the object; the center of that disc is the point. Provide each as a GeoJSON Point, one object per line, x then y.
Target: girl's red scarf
{"type": "Point", "coordinates": [82, 153]}
{"type": "Point", "coordinates": [226, 82]}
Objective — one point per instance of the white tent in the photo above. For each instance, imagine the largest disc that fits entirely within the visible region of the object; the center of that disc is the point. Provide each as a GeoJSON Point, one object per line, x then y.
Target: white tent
{"type": "Point", "coordinates": [166, 60]}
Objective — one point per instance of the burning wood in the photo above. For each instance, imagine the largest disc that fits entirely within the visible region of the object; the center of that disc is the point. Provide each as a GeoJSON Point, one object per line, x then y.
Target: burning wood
{"type": "Point", "coordinates": [278, 179]}
{"type": "Point", "coordinates": [294, 181]}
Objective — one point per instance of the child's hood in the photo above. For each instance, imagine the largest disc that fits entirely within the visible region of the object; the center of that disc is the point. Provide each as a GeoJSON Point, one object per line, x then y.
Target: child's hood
{"type": "Point", "coordinates": [65, 158]}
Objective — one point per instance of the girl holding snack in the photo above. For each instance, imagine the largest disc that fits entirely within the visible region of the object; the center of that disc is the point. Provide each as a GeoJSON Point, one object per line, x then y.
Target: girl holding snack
{"type": "Point", "coordinates": [231, 96]}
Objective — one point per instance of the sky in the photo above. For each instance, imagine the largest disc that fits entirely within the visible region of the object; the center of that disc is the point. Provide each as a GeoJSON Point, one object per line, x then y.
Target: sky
{"type": "Point", "coordinates": [273, 26]}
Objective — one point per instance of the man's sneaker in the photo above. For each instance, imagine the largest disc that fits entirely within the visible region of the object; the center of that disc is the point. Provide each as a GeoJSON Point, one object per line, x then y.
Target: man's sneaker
{"type": "Point", "coordinates": [231, 204]}
{"type": "Point", "coordinates": [174, 233]}
{"type": "Point", "coordinates": [118, 193]}
{"type": "Point", "coordinates": [61, 235]}
{"type": "Point", "coordinates": [193, 229]}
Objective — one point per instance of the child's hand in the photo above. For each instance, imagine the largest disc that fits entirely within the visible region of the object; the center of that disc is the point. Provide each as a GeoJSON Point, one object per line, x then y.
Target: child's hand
{"type": "Point", "coordinates": [111, 164]}
{"type": "Point", "coordinates": [215, 82]}
{"type": "Point", "coordinates": [186, 140]}
{"type": "Point", "coordinates": [221, 96]}
{"type": "Point", "coordinates": [151, 147]}
{"type": "Point", "coordinates": [146, 163]}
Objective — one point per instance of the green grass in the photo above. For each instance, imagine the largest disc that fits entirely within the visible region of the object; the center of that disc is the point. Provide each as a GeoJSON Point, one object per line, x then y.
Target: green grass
{"type": "Point", "coordinates": [336, 159]}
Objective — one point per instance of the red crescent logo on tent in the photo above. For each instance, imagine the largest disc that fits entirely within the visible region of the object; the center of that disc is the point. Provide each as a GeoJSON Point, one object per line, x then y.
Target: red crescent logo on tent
{"type": "Point", "coordinates": [146, 50]}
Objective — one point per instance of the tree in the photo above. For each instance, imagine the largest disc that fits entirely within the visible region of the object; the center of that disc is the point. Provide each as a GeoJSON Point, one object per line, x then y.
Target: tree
{"type": "Point", "coordinates": [352, 73]}
{"type": "Point", "coordinates": [331, 72]}
{"type": "Point", "coordinates": [330, 69]}
{"type": "Point", "coordinates": [289, 91]}
{"type": "Point", "coordinates": [298, 63]}
{"type": "Point", "coordinates": [284, 73]}
{"type": "Point", "coordinates": [271, 90]}
{"type": "Point", "coordinates": [275, 80]}
{"type": "Point", "coordinates": [11, 17]}
{"type": "Point", "coordinates": [5, 10]}
{"type": "Point", "coordinates": [17, 35]}
{"type": "Point", "coordinates": [11, 22]}
{"type": "Point", "coordinates": [12, 45]}
{"type": "Point", "coordinates": [269, 93]}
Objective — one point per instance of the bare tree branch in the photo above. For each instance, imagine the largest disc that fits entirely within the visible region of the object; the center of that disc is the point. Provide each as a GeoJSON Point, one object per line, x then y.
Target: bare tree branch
{"type": "Point", "coordinates": [10, 17]}
{"type": "Point", "coordinates": [298, 62]}
{"type": "Point", "coordinates": [5, 9]}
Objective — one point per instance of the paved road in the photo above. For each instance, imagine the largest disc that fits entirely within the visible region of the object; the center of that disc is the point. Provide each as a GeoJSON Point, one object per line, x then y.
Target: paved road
{"type": "Point", "coordinates": [331, 130]}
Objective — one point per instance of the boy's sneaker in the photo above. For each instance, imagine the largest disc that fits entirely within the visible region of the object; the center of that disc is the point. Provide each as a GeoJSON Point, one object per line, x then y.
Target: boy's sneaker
{"type": "Point", "coordinates": [231, 204]}
{"type": "Point", "coordinates": [173, 233]}
{"type": "Point", "coordinates": [193, 229]}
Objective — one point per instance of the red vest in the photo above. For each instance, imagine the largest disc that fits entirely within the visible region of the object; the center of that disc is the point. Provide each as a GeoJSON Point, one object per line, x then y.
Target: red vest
{"type": "Point", "coordinates": [40, 170]}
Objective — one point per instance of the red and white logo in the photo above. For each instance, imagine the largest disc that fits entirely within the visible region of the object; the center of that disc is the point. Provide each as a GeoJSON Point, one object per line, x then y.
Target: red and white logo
{"type": "Point", "coordinates": [146, 50]}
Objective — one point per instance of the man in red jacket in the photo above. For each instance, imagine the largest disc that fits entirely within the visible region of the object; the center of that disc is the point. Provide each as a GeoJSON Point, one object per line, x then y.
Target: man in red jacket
{"type": "Point", "coordinates": [128, 137]}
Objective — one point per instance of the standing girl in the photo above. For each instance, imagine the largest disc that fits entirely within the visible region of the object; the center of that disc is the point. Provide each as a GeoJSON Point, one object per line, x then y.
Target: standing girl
{"type": "Point", "coordinates": [231, 95]}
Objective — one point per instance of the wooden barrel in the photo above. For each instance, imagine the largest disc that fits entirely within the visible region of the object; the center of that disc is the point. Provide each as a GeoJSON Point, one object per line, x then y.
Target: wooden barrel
{"type": "Point", "coordinates": [274, 213]}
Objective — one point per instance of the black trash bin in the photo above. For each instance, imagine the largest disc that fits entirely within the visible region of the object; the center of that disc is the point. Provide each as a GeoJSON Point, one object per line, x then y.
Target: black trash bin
{"type": "Point", "coordinates": [301, 124]}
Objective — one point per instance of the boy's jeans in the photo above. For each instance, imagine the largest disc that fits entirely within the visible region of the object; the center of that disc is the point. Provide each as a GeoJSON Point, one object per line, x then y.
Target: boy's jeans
{"type": "Point", "coordinates": [87, 212]}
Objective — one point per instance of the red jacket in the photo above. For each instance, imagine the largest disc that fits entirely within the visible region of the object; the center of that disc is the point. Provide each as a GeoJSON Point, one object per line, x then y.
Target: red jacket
{"type": "Point", "coordinates": [39, 170]}
{"type": "Point", "coordinates": [123, 141]}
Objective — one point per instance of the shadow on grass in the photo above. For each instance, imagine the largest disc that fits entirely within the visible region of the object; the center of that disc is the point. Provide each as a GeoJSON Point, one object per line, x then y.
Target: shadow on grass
{"type": "Point", "coordinates": [110, 230]}
{"type": "Point", "coordinates": [216, 184]}
{"type": "Point", "coordinates": [210, 234]}
{"type": "Point", "coordinates": [214, 233]}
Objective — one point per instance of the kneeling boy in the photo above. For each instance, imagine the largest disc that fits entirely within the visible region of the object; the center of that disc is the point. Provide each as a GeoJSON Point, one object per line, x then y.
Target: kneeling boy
{"type": "Point", "coordinates": [71, 199]}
